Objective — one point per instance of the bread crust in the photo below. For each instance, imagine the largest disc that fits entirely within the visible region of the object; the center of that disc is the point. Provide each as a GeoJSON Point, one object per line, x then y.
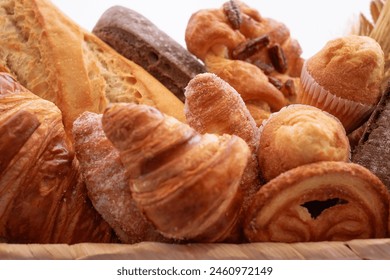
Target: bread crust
{"type": "Point", "coordinates": [59, 61]}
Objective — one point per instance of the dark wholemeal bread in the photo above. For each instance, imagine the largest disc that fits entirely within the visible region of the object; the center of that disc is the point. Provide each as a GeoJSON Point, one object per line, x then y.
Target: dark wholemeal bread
{"type": "Point", "coordinates": [138, 39]}
{"type": "Point", "coordinates": [373, 149]}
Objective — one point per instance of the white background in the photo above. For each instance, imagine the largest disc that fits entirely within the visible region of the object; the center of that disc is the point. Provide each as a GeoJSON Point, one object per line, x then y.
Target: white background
{"type": "Point", "coordinates": [311, 22]}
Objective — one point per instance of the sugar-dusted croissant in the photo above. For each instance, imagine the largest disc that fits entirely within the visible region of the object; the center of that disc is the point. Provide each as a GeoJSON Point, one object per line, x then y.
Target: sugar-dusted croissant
{"type": "Point", "coordinates": [42, 196]}
{"type": "Point", "coordinates": [186, 184]}
{"type": "Point", "coordinates": [254, 54]}
{"type": "Point", "coordinates": [59, 61]}
{"type": "Point", "coordinates": [213, 106]}
{"type": "Point", "coordinates": [107, 183]}
{"type": "Point", "coordinates": [323, 201]}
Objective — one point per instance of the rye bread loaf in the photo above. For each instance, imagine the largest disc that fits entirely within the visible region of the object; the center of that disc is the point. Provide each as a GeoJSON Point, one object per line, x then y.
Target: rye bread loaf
{"type": "Point", "coordinates": [373, 149]}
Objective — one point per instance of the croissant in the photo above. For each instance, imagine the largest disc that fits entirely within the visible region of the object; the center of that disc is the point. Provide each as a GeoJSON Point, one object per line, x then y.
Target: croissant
{"type": "Point", "coordinates": [323, 201]}
{"type": "Point", "coordinates": [186, 184]}
{"type": "Point", "coordinates": [107, 182]}
{"type": "Point", "coordinates": [42, 195]}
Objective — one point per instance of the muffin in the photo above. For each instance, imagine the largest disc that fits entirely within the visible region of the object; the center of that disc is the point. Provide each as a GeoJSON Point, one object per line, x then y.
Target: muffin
{"type": "Point", "coordinates": [344, 79]}
{"type": "Point", "coordinates": [298, 135]}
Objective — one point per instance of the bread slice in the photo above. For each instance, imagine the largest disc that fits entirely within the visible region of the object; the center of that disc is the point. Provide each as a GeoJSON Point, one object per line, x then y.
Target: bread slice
{"type": "Point", "coordinates": [59, 61]}
{"type": "Point", "coordinates": [138, 39]}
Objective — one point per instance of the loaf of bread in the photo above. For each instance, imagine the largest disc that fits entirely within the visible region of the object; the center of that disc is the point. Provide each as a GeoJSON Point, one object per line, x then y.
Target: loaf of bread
{"type": "Point", "coordinates": [59, 61]}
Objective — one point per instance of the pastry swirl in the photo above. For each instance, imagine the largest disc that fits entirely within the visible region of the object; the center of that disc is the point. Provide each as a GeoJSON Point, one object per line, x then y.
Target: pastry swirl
{"type": "Point", "coordinates": [320, 201]}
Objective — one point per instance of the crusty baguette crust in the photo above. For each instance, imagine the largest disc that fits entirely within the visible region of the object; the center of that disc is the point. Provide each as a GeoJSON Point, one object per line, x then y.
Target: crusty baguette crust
{"type": "Point", "coordinates": [59, 61]}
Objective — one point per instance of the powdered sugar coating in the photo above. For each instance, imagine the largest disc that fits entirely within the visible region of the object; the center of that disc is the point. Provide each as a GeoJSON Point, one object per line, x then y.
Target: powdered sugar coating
{"type": "Point", "coordinates": [107, 182]}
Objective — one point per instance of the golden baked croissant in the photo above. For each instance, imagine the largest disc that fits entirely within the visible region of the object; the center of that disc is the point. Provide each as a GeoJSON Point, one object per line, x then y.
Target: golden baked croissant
{"type": "Point", "coordinates": [255, 55]}
{"type": "Point", "coordinates": [107, 182]}
{"type": "Point", "coordinates": [57, 60]}
{"type": "Point", "coordinates": [186, 184]}
{"type": "Point", "coordinates": [321, 201]}
{"type": "Point", "coordinates": [42, 196]}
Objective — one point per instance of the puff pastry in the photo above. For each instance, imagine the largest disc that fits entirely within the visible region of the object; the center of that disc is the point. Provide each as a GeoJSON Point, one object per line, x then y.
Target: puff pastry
{"type": "Point", "coordinates": [324, 201]}
{"type": "Point", "coordinates": [186, 184]}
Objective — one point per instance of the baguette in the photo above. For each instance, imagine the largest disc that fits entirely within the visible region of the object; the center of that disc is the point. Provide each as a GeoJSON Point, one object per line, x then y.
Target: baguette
{"type": "Point", "coordinates": [57, 60]}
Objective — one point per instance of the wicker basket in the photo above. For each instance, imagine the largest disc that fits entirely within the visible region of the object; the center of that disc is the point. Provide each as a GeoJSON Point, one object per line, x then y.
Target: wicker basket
{"type": "Point", "coordinates": [373, 249]}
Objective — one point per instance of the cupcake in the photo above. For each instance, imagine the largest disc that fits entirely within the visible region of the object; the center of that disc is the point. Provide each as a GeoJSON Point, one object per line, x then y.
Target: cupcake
{"type": "Point", "coordinates": [344, 79]}
{"type": "Point", "coordinates": [298, 135]}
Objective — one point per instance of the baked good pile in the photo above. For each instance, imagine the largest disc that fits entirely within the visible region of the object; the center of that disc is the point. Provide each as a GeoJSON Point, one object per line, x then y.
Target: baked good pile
{"type": "Point", "coordinates": [123, 135]}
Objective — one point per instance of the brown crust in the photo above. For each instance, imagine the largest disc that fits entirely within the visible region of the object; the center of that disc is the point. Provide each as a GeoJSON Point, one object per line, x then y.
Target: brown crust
{"type": "Point", "coordinates": [363, 213]}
